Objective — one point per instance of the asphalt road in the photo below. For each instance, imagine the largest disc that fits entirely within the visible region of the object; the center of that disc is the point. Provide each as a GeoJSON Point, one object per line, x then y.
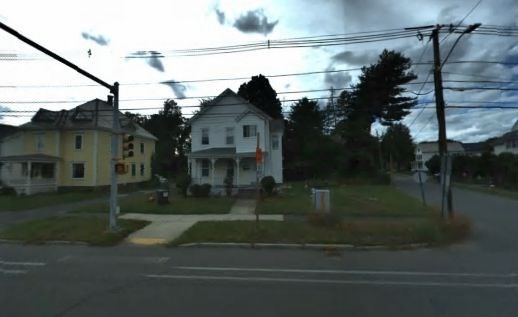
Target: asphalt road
{"type": "Point", "coordinates": [476, 278]}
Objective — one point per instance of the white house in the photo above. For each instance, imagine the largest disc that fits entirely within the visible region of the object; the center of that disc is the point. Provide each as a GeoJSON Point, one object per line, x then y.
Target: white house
{"type": "Point", "coordinates": [224, 137]}
{"type": "Point", "coordinates": [507, 143]}
{"type": "Point", "coordinates": [424, 151]}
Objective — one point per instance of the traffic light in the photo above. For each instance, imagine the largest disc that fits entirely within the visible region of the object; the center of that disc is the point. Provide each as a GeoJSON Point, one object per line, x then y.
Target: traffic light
{"type": "Point", "coordinates": [127, 145]}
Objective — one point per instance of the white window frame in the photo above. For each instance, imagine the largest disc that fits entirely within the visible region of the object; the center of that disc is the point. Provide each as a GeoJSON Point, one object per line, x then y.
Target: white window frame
{"type": "Point", "coordinates": [84, 170]}
{"type": "Point", "coordinates": [275, 141]}
{"type": "Point", "coordinates": [229, 135]}
{"type": "Point", "coordinates": [203, 136]}
{"type": "Point", "coordinates": [75, 142]}
{"type": "Point", "coordinates": [249, 131]}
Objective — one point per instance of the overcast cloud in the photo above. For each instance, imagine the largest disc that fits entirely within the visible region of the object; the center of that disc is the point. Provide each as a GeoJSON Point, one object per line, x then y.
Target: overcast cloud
{"type": "Point", "coordinates": [149, 29]}
{"type": "Point", "coordinates": [178, 89]}
{"type": "Point", "coordinates": [99, 39]}
{"type": "Point", "coordinates": [254, 22]}
{"type": "Point", "coordinates": [152, 59]}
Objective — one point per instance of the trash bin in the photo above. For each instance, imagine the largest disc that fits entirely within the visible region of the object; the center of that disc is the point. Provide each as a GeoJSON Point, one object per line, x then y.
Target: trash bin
{"type": "Point", "coordinates": [162, 196]}
{"type": "Point", "coordinates": [321, 200]}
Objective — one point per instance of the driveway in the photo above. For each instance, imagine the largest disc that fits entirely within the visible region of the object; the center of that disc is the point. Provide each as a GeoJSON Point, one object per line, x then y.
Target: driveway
{"type": "Point", "coordinates": [495, 218]}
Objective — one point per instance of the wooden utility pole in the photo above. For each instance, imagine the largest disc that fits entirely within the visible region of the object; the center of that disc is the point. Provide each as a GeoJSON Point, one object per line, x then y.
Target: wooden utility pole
{"type": "Point", "coordinates": [441, 120]}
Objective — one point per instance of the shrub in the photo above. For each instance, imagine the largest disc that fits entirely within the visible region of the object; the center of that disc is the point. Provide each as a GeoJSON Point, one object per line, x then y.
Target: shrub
{"type": "Point", "coordinates": [6, 190]}
{"type": "Point", "coordinates": [200, 190]}
{"type": "Point", "coordinates": [268, 184]}
{"type": "Point", "coordinates": [182, 183]}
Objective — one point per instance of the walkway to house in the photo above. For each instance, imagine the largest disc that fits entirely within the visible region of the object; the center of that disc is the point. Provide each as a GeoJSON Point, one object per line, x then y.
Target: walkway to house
{"type": "Point", "coordinates": [166, 228]}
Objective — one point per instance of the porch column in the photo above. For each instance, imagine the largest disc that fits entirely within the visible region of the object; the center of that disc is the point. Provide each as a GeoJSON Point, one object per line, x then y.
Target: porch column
{"type": "Point", "coordinates": [29, 173]}
{"type": "Point", "coordinates": [213, 169]}
{"type": "Point", "coordinates": [189, 168]}
{"type": "Point", "coordinates": [237, 171]}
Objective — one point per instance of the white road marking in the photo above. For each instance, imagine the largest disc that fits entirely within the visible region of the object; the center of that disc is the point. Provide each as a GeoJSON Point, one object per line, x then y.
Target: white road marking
{"type": "Point", "coordinates": [161, 260]}
{"type": "Point", "coordinates": [12, 271]}
{"type": "Point", "coordinates": [345, 272]}
{"type": "Point", "coordinates": [22, 263]}
{"type": "Point", "coordinates": [323, 281]}
{"type": "Point", "coordinates": [65, 258]}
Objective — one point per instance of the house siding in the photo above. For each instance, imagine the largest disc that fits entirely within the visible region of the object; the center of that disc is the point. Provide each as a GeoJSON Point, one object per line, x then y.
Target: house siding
{"type": "Point", "coordinates": [232, 112]}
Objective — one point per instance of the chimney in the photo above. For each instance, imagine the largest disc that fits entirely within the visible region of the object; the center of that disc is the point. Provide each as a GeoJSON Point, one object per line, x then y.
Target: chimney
{"type": "Point", "coordinates": [110, 100]}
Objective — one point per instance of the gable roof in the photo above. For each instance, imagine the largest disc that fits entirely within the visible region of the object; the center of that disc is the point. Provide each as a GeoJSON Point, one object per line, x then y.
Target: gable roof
{"type": "Point", "coordinates": [229, 93]}
{"type": "Point", "coordinates": [95, 114]}
{"type": "Point", "coordinates": [433, 147]}
{"type": "Point", "coordinates": [6, 130]}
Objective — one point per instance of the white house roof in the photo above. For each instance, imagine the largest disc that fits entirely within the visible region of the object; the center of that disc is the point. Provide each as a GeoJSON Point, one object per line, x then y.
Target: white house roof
{"type": "Point", "coordinates": [229, 93]}
{"type": "Point", "coordinates": [433, 147]}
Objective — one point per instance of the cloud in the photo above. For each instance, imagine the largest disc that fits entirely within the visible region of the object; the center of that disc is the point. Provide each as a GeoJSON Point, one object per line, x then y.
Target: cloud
{"type": "Point", "coordinates": [220, 15]}
{"type": "Point", "coordinates": [337, 79]}
{"type": "Point", "coordinates": [446, 15]}
{"type": "Point", "coordinates": [353, 58]}
{"type": "Point", "coordinates": [99, 39]}
{"type": "Point", "coordinates": [255, 22]}
{"type": "Point", "coordinates": [152, 59]}
{"type": "Point", "coordinates": [178, 89]}
{"type": "Point", "coordinates": [3, 108]}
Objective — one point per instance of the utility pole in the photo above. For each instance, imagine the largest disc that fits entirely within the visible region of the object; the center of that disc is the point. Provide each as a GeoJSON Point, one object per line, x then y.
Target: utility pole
{"type": "Point", "coordinates": [446, 161]}
{"type": "Point", "coordinates": [114, 89]}
{"type": "Point", "coordinates": [439, 106]}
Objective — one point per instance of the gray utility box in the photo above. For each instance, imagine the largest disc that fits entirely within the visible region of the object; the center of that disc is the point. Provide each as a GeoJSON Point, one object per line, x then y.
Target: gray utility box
{"type": "Point", "coordinates": [321, 200]}
{"type": "Point", "coordinates": [162, 196]}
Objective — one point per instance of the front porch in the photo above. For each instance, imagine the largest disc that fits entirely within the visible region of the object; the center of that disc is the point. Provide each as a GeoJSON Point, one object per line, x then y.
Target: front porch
{"type": "Point", "coordinates": [29, 174]}
{"type": "Point", "coordinates": [214, 165]}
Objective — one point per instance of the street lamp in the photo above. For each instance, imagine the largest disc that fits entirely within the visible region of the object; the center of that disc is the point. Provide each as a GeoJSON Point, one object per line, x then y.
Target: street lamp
{"type": "Point", "coordinates": [469, 29]}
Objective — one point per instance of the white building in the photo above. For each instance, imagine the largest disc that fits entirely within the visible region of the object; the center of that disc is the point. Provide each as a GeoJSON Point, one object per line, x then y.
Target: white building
{"type": "Point", "coordinates": [507, 143]}
{"type": "Point", "coordinates": [424, 151]}
{"type": "Point", "coordinates": [224, 136]}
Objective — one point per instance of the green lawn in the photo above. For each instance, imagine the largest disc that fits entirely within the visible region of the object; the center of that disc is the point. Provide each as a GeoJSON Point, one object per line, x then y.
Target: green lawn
{"type": "Point", "coordinates": [139, 203]}
{"type": "Point", "coordinates": [347, 200]}
{"type": "Point", "coordinates": [356, 232]}
{"type": "Point", "coordinates": [16, 203]}
{"type": "Point", "coordinates": [92, 230]}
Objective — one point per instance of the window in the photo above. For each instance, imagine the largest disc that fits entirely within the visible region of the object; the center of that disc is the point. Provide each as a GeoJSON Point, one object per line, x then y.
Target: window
{"type": "Point", "coordinates": [230, 135]}
{"type": "Point", "coordinates": [39, 141]}
{"type": "Point", "coordinates": [246, 166]}
{"type": "Point", "coordinates": [142, 147]}
{"type": "Point", "coordinates": [275, 142]}
{"type": "Point", "coordinates": [78, 170]}
{"type": "Point", "coordinates": [249, 131]}
{"type": "Point", "coordinates": [133, 169]}
{"type": "Point", "coordinates": [419, 157]}
{"type": "Point", "coordinates": [205, 136]}
{"type": "Point", "coordinates": [205, 168]}
{"type": "Point", "coordinates": [78, 142]}
{"type": "Point", "coordinates": [141, 169]}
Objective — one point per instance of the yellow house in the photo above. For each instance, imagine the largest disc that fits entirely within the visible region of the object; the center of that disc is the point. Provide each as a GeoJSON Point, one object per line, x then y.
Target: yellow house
{"type": "Point", "coordinates": [72, 148]}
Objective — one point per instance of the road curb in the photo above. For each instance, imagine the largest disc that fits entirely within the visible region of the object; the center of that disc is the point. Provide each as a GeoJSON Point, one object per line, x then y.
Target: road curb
{"type": "Point", "coordinates": [53, 242]}
{"type": "Point", "coordinates": [313, 246]}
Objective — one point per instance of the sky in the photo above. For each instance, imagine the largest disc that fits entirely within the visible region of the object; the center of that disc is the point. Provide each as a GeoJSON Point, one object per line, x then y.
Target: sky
{"type": "Point", "coordinates": [136, 44]}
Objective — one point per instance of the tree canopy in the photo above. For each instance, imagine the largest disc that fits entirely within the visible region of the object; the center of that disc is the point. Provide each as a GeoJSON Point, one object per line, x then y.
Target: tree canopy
{"type": "Point", "coordinates": [397, 146]}
{"type": "Point", "coordinates": [260, 93]}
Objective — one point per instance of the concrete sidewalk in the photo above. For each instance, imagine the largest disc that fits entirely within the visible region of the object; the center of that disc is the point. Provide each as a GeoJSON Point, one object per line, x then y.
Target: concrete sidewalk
{"type": "Point", "coordinates": [165, 228]}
